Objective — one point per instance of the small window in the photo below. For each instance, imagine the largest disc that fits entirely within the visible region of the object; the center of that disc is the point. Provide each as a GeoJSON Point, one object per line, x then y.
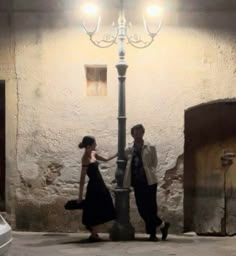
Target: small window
{"type": "Point", "coordinates": [96, 77]}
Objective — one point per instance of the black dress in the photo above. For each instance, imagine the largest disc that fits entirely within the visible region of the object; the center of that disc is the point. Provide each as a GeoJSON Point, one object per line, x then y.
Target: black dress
{"type": "Point", "coordinates": [98, 207]}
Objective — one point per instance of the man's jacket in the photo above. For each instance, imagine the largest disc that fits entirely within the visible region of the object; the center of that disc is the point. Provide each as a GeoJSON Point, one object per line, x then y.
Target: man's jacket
{"type": "Point", "coordinates": [149, 158]}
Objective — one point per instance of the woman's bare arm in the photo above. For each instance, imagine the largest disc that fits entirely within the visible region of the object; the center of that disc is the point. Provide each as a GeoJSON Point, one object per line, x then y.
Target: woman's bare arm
{"type": "Point", "coordinates": [105, 159]}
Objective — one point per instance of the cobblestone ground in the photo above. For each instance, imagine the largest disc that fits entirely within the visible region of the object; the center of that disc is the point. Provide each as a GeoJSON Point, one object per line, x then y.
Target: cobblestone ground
{"type": "Point", "coordinates": [51, 244]}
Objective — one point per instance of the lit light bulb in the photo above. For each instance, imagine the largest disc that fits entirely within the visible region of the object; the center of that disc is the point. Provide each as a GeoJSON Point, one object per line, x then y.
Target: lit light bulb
{"type": "Point", "coordinates": [154, 11]}
{"type": "Point", "coordinates": [90, 9]}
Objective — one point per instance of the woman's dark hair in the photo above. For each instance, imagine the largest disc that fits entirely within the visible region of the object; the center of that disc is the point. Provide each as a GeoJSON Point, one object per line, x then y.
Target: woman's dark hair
{"type": "Point", "coordinates": [86, 141]}
{"type": "Point", "coordinates": [137, 127]}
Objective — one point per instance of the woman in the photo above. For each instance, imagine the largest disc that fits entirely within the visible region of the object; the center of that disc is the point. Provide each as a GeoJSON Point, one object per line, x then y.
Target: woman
{"type": "Point", "coordinates": [98, 206]}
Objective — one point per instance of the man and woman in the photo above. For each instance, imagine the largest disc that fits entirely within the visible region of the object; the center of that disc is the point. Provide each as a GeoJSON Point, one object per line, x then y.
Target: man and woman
{"type": "Point", "coordinates": [140, 173]}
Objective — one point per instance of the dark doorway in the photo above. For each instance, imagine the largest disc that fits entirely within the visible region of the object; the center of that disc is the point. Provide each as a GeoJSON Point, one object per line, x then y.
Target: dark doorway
{"type": "Point", "coordinates": [2, 145]}
{"type": "Point", "coordinates": [209, 176]}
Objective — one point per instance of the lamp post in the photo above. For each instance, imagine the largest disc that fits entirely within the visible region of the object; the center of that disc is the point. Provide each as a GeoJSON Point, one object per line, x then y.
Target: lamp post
{"type": "Point", "coordinates": [122, 230]}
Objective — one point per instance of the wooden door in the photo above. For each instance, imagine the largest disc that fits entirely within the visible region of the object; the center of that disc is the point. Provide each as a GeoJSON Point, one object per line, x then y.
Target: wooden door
{"type": "Point", "coordinates": [215, 190]}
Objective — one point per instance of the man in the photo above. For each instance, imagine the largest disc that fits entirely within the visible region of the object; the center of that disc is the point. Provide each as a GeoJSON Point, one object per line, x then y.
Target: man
{"type": "Point", "coordinates": [140, 173]}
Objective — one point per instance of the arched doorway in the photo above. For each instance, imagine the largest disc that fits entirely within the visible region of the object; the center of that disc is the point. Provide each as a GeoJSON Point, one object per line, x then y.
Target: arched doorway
{"type": "Point", "coordinates": [210, 168]}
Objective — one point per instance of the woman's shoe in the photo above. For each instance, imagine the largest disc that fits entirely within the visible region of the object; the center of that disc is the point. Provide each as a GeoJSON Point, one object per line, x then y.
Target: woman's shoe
{"type": "Point", "coordinates": [94, 239]}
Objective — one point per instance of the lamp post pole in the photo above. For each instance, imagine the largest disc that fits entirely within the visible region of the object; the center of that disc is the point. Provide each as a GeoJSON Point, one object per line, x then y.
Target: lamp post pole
{"type": "Point", "coordinates": [122, 229]}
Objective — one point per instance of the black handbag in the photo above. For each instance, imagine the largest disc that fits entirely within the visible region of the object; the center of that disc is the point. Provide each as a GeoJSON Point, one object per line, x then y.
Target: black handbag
{"type": "Point", "coordinates": [74, 205]}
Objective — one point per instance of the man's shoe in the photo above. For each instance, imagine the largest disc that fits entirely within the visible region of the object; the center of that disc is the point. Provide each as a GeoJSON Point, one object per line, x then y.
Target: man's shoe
{"type": "Point", "coordinates": [153, 238]}
{"type": "Point", "coordinates": [164, 231]}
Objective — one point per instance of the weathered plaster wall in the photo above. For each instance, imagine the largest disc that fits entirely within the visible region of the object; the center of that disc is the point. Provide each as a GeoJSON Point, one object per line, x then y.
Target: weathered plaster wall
{"type": "Point", "coordinates": [188, 66]}
{"type": "Point", "coordinates": [185, 66]}
{"type": "Point", "coordinates": [55, 113]}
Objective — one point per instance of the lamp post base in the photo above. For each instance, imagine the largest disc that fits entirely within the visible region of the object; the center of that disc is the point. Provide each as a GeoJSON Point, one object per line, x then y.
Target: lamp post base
{"type": "Point", "coordinates": [122, 229]}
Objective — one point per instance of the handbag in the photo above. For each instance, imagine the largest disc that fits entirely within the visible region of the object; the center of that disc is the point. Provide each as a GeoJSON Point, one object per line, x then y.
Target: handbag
{"type": "Point", "coordinates": [74, 205]}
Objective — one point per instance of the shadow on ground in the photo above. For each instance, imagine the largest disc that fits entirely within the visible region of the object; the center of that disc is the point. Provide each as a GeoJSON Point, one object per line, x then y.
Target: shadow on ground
{"type": "Point", "coordinates": [53, 239]}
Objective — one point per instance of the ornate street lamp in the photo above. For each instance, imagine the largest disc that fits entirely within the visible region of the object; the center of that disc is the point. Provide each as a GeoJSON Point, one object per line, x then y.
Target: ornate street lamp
{"type": "Point", "coordinates": [122, 229]}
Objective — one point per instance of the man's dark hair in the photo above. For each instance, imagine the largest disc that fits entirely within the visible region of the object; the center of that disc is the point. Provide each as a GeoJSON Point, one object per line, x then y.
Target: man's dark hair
{"type": "Point", "coordinates": [137, 127]}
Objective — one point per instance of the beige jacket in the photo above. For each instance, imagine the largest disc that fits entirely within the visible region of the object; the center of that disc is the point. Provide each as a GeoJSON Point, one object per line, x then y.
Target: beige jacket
{"type": "Point", "coordinates": [149, 157]}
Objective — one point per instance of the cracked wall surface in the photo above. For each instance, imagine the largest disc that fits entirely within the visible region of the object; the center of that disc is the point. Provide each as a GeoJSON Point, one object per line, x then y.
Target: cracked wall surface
{"type": "Point", "coordinates": [192, 61]}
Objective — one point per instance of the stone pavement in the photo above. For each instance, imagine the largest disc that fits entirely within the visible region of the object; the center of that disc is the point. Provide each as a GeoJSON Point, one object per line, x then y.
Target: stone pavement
{"type": "Point", "coordinates": [58, 244]}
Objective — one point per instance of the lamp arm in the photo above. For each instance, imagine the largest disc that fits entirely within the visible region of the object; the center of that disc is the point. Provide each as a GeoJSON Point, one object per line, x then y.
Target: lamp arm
{"type": "Point", "coordinates": [104, 43]}
{"type": "Point", "coordinates": [95, 30]}
{"type": "Point", "coordinates": [107, 41]}
{"type": "Point", "coordinates": [137, 42]}
{"type": "Point", "coordinates": [147, 28]}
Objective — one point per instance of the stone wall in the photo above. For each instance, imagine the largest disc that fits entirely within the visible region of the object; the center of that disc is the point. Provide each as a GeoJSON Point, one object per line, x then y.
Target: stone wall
{"type": "Point", "coordinates": [192, 61]}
